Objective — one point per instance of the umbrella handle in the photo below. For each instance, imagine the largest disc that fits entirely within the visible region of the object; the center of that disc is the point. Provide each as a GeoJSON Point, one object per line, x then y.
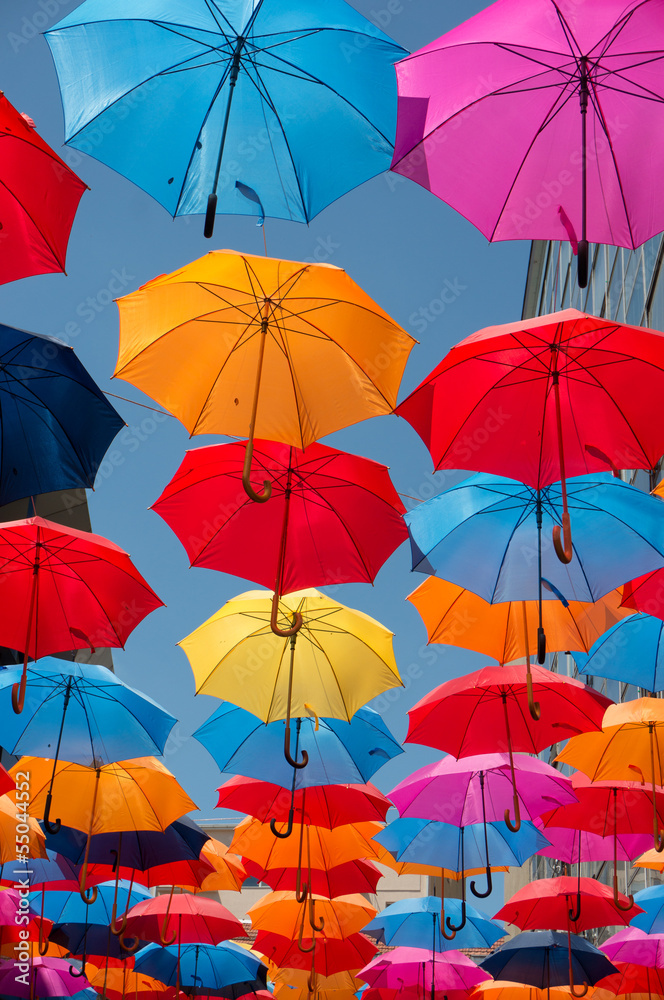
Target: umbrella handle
{"type": "Point", "coordinates": [299, 939]}
{"type": "Point", "coordinates": [118, 931]}
{"type": "Point", "coordinates": [210, 213]}
{"type": "Point", "coordinates": [285, 833]}
{"type": "Point", "coordinates": [43, 944]}
{"type": "Point", "coordinates": [287, 754]}
{"type": "Point", "coordinates": [283, 632]}
{"type": "Point", "coordinates": [18, 693]}
{"type": "Point", "coordinates": [533, 706]}
{"type": "Point", "coordinates": [574, 914]}
{"type": "Point", "coordinates": [516, 826]}
{"type": "Point", "coordinates": [582, 278]}
{"type": "Point", "coordinates": [77, 973]}
{"type": "Point", "coordinates": [131, 948]}
{"type": "Point", "coordinates": [616, 896]}
{"type": "Point", "coordinates": [51, 828]}
{"type": "Point", "coordinates": [489, 883]}
{"type": "Point", "coordinates": [248, 488]}
{"type": "Point", "coordinates": [163, 940]}
{"type": "Point", "coordinates": [461, 926]}
{"type": "Point", "coordinates": [564, 549]}
{"type": "Point", "coordinates": [541, 645]}
{"type": "Point", "coordinates": [312, 917]}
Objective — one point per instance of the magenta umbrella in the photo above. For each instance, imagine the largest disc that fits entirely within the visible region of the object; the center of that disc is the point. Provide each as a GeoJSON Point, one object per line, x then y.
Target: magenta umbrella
{"type": "Point", "coordinates": [416, 967]}
{"type": "Point", "coordinates": [52, 978]}
{"type": "Point", "coordinates": [575, 846]}
{"type": "Point", "coordinates": [537, 118]}
{"type": "Point", "coordinates": [636, 947]}
{"type": "Point", "coordinates": [482, 789]}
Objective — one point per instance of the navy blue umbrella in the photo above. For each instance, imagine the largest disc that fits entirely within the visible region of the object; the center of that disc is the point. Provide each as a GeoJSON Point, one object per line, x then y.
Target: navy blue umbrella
{"type": "Point", "coordinates": [55, 422]}
{"type": "Point", "coordinates": [543, 959]}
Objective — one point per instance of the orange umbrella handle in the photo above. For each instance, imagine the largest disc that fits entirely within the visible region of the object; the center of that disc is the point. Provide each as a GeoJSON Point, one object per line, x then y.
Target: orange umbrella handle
{"type": "Point", "coordinates": [657, 836]}
{"type": "Point", "coordinates": [301, 934]}
{"type": "Point", "coordinates": [162, 932]}
{"type": "Point", "coordinates": [285, 633]}
{"type": "Point", "coordinates": [43, 944]}
{"type": "Point", "coordinates": [248, 488]}
{"type": "Point", "coordinates": [533, 706]}
{"type": "Point", "coordinates": [84, 870]}
{"type": "Point", "coordinates": [312, 916]}
{"type": "Point", "coordinates": [514, 827]}
{"type": "Point", "coordinates": [249, 450]}
{"type": "Point", "coordinates": [584, 988]}
{"type": "Point", "coordinates": [302, 888]}
{"type": "Point", "coordinates": [616, 895]}
{"type": "Point", "coordinates": [564, 549]}
{"type": "Point", "coordinates": [131, 948]}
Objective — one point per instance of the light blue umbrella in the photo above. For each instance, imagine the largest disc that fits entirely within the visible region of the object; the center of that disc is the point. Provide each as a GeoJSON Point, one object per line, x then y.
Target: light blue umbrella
{"type": "Point", "coordinates": [248, 107]}
{"type": "Point", "coordinates": [415, 923]}
{"type": "Point", "coordinates": [485, 534]}
{"type": "Point", "coordinates": [203, 969]}
{"type": "Point", "coordinates": [81, 713]}
{"type": "Point", "coordinates": [651, 901]}
{"type": "Point", "coordinates": [631, 651]}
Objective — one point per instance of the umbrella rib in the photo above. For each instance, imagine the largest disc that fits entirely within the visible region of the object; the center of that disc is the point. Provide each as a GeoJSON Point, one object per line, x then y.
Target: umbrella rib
{"type": "Point", "coordinates": [599, 115]}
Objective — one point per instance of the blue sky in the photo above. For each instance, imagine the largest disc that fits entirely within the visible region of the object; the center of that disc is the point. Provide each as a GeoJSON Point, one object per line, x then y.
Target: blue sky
{"type": "Point", "coordinates": [423, 263]}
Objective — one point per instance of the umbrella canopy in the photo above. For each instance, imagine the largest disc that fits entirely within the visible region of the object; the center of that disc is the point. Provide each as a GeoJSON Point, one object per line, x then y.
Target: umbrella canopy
{"type": "Point", "coordinates": [412, 922]}
{"type": "Point", "coordinates": [508, 631]}
{"type": "Point", "coordinates": [356, 875]}
{"type": "Point", "coordinates": [69, 908]}
{"type": "Point", "coordinates": [483, 535]}
{"type": "Point", "coordinates": [566, 902]}
{"type": "Point", "coordinates": [475, 713]}
{"type": "Point", "coordinates": [574, 846]}
{"type": "Point", "coordinates": [406, 966]}
{"type": "Point", "coordinates": [631, 978]}
{"type": "Point", "coordinates": [562, 381]}
{"type": "Point", "coordinates": [70, 590]}
{"type": "Point", "coordinates": [229, 872]}
{"type": "Point", "coordinates": [35, 845]}
{"type": "Point", "coordinates": [541, 959]}
{"type": "Point", "coordinates": [325, 848]}
{"type": "Point", "coordinates": [287, 340]}
{"type": "Point", "coordinates": [202, 967]}
{"type": "Point", "coordinates": [651, 901]}
{"type": "Point", "coordinates": [184, 917]}
{"type": "Point", "coordinates": [646, 593]}
{"type": "Point", "coordinates": [501, 989]}
{"type": "Point", "coordinates": [577, 91]}
{"type": "Point", "coordinates": [38, 200]}
{"type": "Point", "coordinates": [341, 660]}
{"type": "Point", "coordinates": [50, 977]}
{"type": "Point", "coordinates": [634, 946]}
{"type": "Point", "coordinates": [85, 712]}
{"type": "Point", "coordinates": [49, 401]}
{"type": "Point", "coordinates": [281, 116]}
{"type": "Point", "coordinates": [631, 652]}
{"type": "Point", "coordinates": [337, 751]}
{"type": "Point", "coordinates": [281, 912]}
{"type": "Point", "coordinates": [333, 517]}
{"type": "Point", "coordinates": [329, 955]}
{"type": "Point", "coordinates": [322, 805]}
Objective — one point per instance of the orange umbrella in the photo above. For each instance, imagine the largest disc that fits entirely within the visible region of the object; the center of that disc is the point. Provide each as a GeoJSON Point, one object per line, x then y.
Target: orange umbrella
{"type": "Point", "coordinates": [123, 983]}
{"type": "Point", "coordinates": [282, 913]}
{"type": "Point", "coordinates": [325, 848]}
{"type": "Point", "coordinates": [29, 843]}
{"type": "Point", "coordinates": [627, 748]}
{"type": "Point", "coordinates": [229, 873]}
{"type": "Point", "coordinates": [499, 989]}
{"type": "Point", "coordinates": [237, 344]}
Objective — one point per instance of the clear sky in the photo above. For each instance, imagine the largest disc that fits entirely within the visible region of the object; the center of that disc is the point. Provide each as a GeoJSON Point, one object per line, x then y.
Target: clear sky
{"type": "Point", "coordinates": [423, 263]}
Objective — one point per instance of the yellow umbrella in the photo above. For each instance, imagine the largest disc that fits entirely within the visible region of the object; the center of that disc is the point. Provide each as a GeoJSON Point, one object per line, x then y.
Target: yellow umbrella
{"type": "Point", "coordinates": [508, 631]}
{"type": "Point", "coordinates": [627, 748]}
{"type": "Point", "coordinates": [236, 344]}
{"type": "Point", "coordinates": [344, 657]}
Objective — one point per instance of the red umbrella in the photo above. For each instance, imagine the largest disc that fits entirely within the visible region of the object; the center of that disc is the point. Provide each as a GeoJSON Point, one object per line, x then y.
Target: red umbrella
{"type": "Point", "coordinates": [184, 917]}
{"type": "Point", "coordinates": [65, 589]}
{"type": "Point", "coordinates": [632, 978]}
{"type": "Point", "coordinates": [544, 398]}
{"type": "Point", "coordinates": [358, 875]}
{"type": "Point", "coordinates": [330, 955]}
{"type": "Point", "coordinates": [39, 196]}
{"type": "Point", "coordinates": [326, 805]}
{"type": "Point", "coordinates": [550, 904]}
{"type": "Point", "coordinates": [332, 517]}
{"type": "Point", "coordinates": [646, 594]}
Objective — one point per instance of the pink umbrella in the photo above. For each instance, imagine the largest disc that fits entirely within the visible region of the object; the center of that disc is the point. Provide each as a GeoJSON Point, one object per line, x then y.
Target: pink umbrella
{"type": "Point", "coordinates": [482, 789]}
{"type": "Point", "coordinates": [574, 846]}
{"type": "Point", "coordinates": [634, 946]}
{"type": "Point", "coordinates": [52, 978]}
{"type": "Point", "coordinates": [537, 118]}
{"type": "Point", "coordinates": [431, 971]}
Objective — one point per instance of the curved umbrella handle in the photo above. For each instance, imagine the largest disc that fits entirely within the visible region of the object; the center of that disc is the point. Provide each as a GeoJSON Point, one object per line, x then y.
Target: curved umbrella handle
{"type": "Point", "coordinates": [92, 897]}
{"type": "Point", "coordinates": [534, 707]}
{"type": "Point", "coordinates": [289, 826]}
{"type": "Point", "coordinates": [448, 937]}
{"type": "Point", "coordinates": [516, 826]}
{"type": "Point", "coordinates": [312, 917]}
{"type": "Point", "coordinates": [574, 914]}
{"type": "Point", "coordinates": [563, 548]}
{"type": "Point", "coordinates": [77, 973]}
{"type": "Point", "coordinates": [43, 943]}
{"type": "Point", "coordinates": [131, 948]}
{"type": "Point", "coordinates": [18, 693]}
{"type": "Point", "coordinates": [115, 929]}
{"type": "Point", "coordinates": [489, 883]}
{"type": "Point", "coordinates": [616, 897]}
{"type": "Point", "coordinates": [461, 926]}
{"type": "Point", "coordinates": [300, 936]}
{"type": "Point", "coordinates": [248, 488]}
{"type": "Point", "coordinates": [51, 828]}
{"type": "Point", "coordinates": [291, 760]}
{"type": "Point", "coordinates": [285, 633]}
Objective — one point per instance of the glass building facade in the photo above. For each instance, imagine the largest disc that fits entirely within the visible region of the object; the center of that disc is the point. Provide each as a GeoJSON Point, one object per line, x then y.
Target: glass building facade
{"type": "Point", "coordinates": [626, 286]}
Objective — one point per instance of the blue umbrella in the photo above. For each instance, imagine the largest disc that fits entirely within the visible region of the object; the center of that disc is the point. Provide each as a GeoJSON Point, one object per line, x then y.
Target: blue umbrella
{"type": "Point", "coordinates": [203, 969]}
{"type": "Point", "coordinates": [542, 959]}
{"type": "Point", "coordinates": [415, 923]}
{"type": "Point", "coordinates": [83, 712]}
{"type": "Point", "coordinates": [651, 901]}
{"type": "Point", "coordinates": [631, 651]}
{"type": "Point", "coordinates": [339, 752]}
{"type": "Point", "coordinates": [311, 84]}
{"type": "Point", "coordinates": [485, 534]}
{"type": "Point", "coordinates": [55, 421]}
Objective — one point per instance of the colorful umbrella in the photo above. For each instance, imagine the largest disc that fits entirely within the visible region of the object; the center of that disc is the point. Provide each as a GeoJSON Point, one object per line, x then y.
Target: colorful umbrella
{"type": "Point", "coordinates": [38, 200]}
{"type": "Point", "coordinates": [344, 658]}
{"type": "Point", "coordinates": [356, 875]}
{"type": "Point", "coordinates": [43, 977]}
{"type": "Point", "coordinates": [329, 955]}
{"type": "Point", "coordinates": [626, 748]}
{"type": "Point", "coordinates": [651, 901]}
{"type": "Point", "coordinates": [337, 751]}
{"type": "Point", "coordinates": [631, 978]}
{"type": "Point", "coordinates": [404, 966]}
{"type": "Point", "coordinates": [485, 534]}
{"type": "Point", "coordinates": [501, 989]}
{"type": "Point", "coordinates": [645, 594]}
{"type": "Point", "coordinates": [323, 805]}
{"type": "Point", "coordinates": [628, 652]}
{"type": "Point", "coordinates": [575, 846]}
{"type": "Point", "coordinates": [545, 959]}
{"type": "Point", "coordinates": [283, 913]}
{"type": "Point", "coordinates": [566, 903]}
{"type": "Point", "coordinates": [199, 967]}
{"type": "Point", "coordinates": [334, 517]}
{"type": "Point", "coordinates": [13, 810]}
{"type": "Point", "coordinates": [325, 122]}
{"type": "Point", "coordinates": [229, 872]}
{"type": "Point", "coordinates": [69, 590]}
{"type": "Point", "coordinates": [192, 919]}
{"type": "Point", "coordinates": [508, 631]}
{"type": "Point", "coordinates": [239, 330]}
{"type": "Point", "coordinates": [412, 922]}
{"type": "Point", "coordinates": [325, 848]}
{"type": "Point", "coordinates": [578, 93]}
{"type": "Point", "coordinates": [636, 947]}
{"type": "Point", "coordinates": [56, 422]}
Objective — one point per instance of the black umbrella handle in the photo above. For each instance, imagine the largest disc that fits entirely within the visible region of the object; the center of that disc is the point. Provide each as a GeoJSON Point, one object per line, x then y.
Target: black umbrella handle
{"type": "Point", "coordinates": [489, 886]}
{"type": "Point", "coordinates": [51, 828]}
